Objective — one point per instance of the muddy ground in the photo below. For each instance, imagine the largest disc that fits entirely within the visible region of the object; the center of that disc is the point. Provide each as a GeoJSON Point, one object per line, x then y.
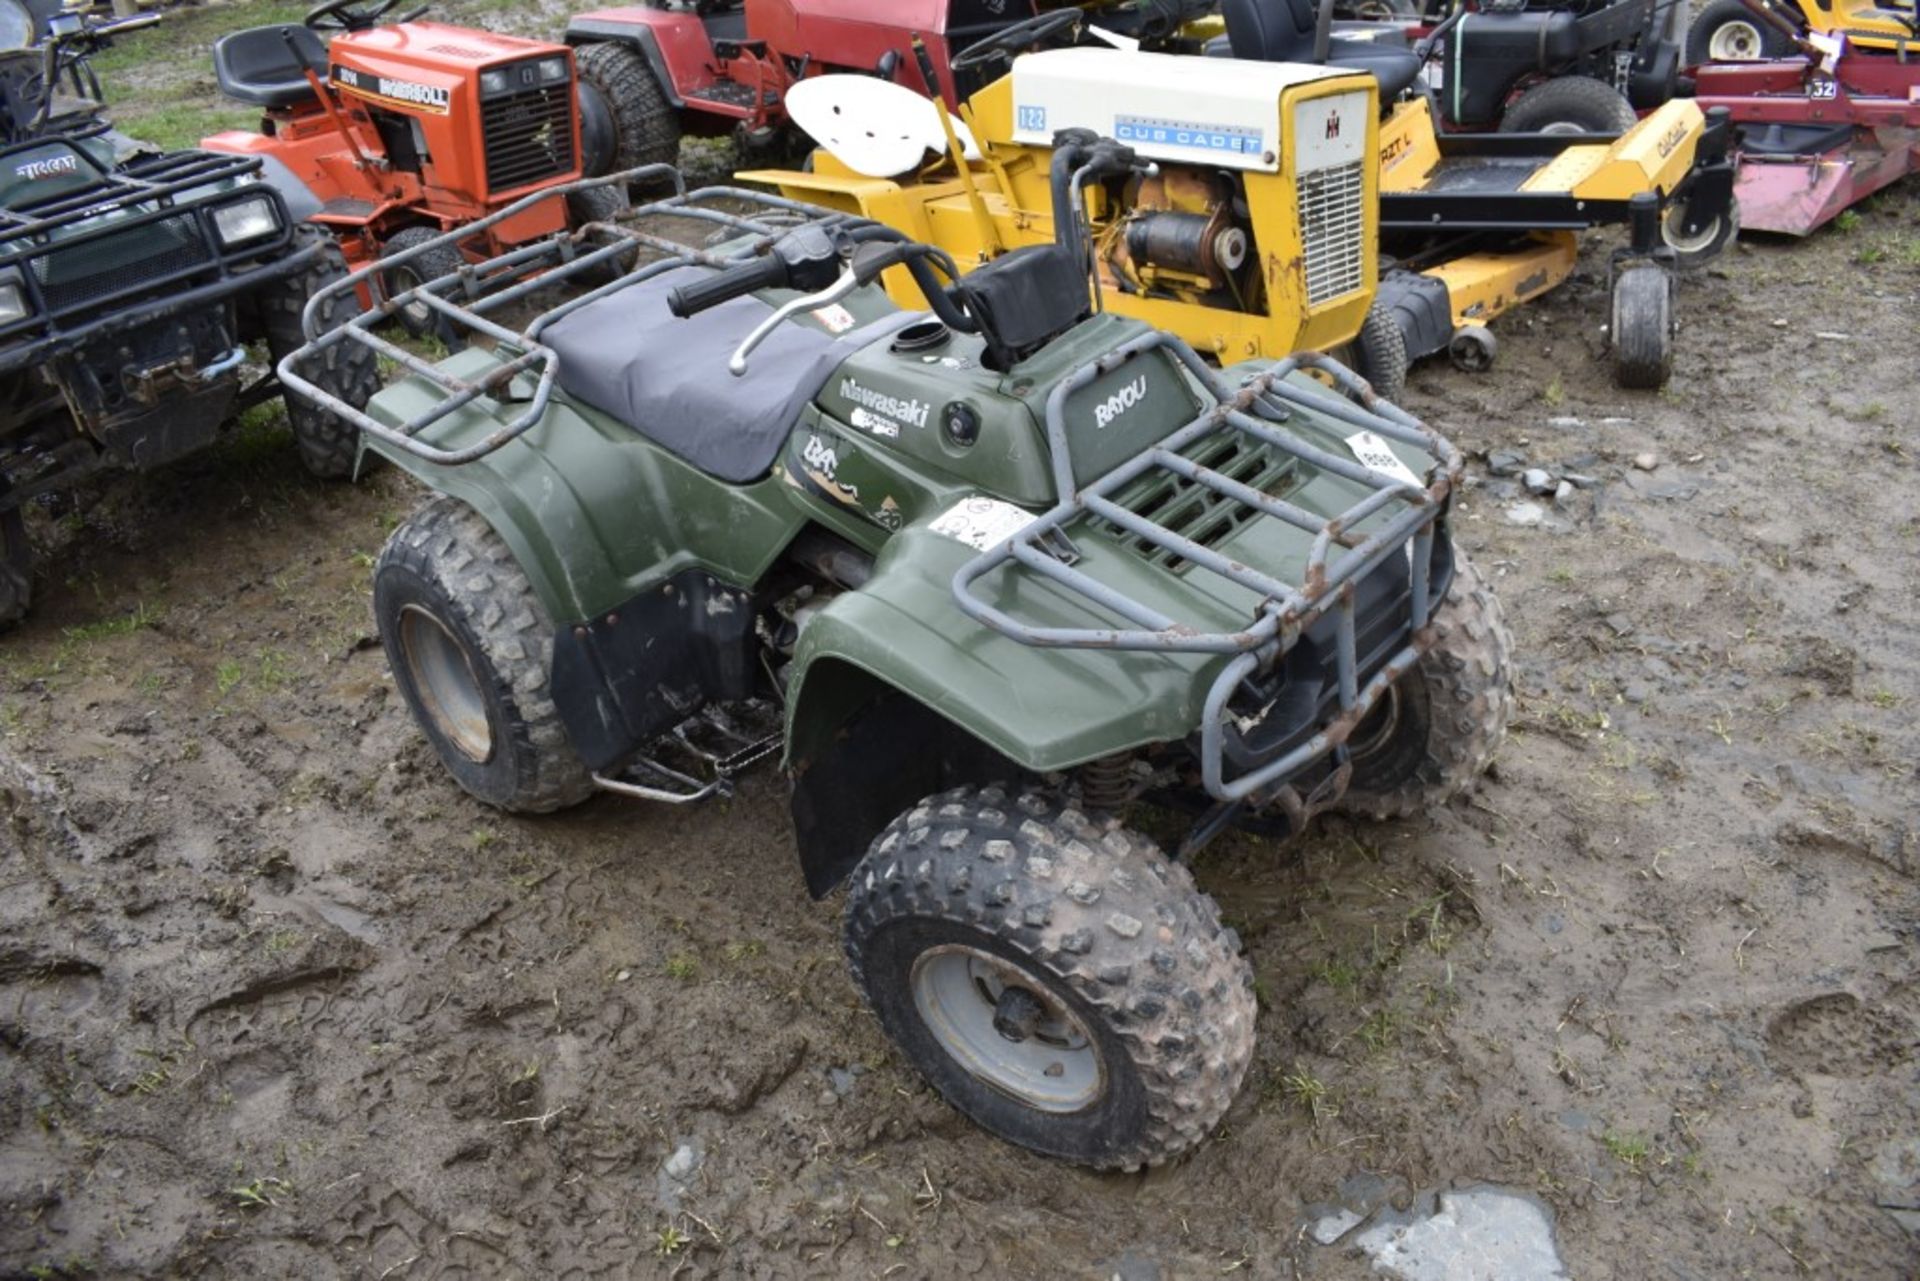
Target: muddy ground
{"type": "Point", "coordinates": [276, 999]}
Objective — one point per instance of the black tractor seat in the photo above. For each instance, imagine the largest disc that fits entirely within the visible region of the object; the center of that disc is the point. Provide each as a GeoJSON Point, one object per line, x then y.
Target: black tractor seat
{"type": "Point", "coordinates": [1282, 31]}
{"type": "Point", "coordinates": [267, 66]}
{"type": "Point", "coordinates": [666, 378]}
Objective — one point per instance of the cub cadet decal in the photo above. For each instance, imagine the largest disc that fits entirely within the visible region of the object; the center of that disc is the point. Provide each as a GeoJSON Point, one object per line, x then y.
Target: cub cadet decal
{"type": "Point", "coordinates": [47, 167]}
{"type": "Point", "coordinates": [1671, 139]}
{"type": "Point", "coordinates": [396, 93]}
{"type": "Point", "coordinates": [1234, 139]}
{"type": "Point", "coordinates": [1120, 402]}
{"type": "Point", "coordinates": [912, 412]}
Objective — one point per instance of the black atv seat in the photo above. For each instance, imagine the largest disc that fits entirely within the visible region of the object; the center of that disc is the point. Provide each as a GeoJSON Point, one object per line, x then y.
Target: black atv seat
{"type": "Point", "coordinates": [267, 66]}
{"type": "Point", "coordinates": [1282, 31]}
{"type": "Point", "coordinates": [666, 378]}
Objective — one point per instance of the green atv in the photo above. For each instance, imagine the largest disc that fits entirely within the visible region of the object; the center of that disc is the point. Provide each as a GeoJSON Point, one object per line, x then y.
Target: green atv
{"type": "Point", "coordinates": [988, 575]}
{"type": "Point", "coordinates": [131, 284]}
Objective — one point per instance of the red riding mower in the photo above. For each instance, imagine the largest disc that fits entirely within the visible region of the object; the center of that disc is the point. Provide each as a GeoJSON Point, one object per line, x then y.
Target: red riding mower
{"type": "Point", "coordinates": [395, 134]}
{"type": "Point", "coordinates": [1816, 133]}
{"type": "Point", "coordinates": [715, 68]}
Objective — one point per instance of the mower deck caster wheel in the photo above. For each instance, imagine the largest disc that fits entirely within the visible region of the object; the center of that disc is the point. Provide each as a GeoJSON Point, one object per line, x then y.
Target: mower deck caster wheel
{"type": "Point", "coordinates": [1473, 348]}
{"type": "Point", "coordinates": [1691, 252]}
{"type": "Point", "coordinates": [1643, 326]}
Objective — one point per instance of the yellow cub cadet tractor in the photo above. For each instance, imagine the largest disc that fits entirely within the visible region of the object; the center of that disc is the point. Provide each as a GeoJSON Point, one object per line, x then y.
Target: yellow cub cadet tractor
{"type": "Point", "coordinates": [1284, 209]}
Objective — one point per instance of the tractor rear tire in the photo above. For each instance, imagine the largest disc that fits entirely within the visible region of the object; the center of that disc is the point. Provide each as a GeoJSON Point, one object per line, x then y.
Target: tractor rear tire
{"type": "Point", "coordinates": [1727, 31]}
{"type": "Point", "coordinates": [16, 566]}
{"type": "Point", "coordinates": [470, 646]}
{"type": "Point", "coordinates": [329, 445]}
{"type": "Point", "coordinates": [646, 126]}
{"type": "Point", "coordinates": [1642, 330]}
{"type": "Point", "coordinates": [1056, 977]}
{"type": "Point", "coordinates": [1569, 104]}
{"type": "Point", "coordinates": [1440, 725]}
{"type": "Point", "coordinates": [1378, 353]}
{"type": "Point", "coordinates": [419, 320]}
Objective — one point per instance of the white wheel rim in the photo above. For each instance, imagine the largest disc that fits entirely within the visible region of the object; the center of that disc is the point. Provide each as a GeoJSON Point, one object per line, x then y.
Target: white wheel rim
{"type": "Point", "coordinates": [443, 678]}
{"type": "Point", "coordinates": [957, 991]}
{"type": "Point", "coordinates": [1735, 41]}
{"type": "Point", "coordinates": [1679, 241]}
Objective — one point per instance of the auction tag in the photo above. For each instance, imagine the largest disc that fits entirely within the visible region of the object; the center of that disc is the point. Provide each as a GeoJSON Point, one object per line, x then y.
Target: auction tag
{"type": "Point", "coordinates": [836, 318]}
{"type": "Point", "coordinates": [981, 522]}
{"type": "Point", "coordinates": [1376, 455]}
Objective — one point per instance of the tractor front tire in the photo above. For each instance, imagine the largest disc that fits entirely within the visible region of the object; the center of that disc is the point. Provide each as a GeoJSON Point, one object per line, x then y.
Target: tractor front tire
{"type": "Point", "coordinates": [1053, 975]}
{"type": "Point", "coordinates": [1439, 726]}
{"type": "Point", "coordinates": [1727, 31]}
{"type": "Point", "coordinates": [1569, 104]}
{"type": "Point", "coordinates": [16, 565]}
{"type": "Point", "coordinates": [1378, 353]}
{"type": "Point", "coordinates": [1642, 330]}
{"type": "Point", "coordinates": [646, 126]}
{"type": "Point", "coordinates": [470, 646]}
{"type": "Point", "coordinates": [328, 444]}
{"type": "Point", "coordinates": [418, 319]}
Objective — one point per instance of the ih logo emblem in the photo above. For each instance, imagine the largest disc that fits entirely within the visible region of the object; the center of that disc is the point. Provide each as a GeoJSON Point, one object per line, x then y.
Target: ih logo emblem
{"type": "Point", "coordinates": [1333, 125]}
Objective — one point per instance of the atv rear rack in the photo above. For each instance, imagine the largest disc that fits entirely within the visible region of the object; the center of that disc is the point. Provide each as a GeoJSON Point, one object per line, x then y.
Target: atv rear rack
{"type": "Point", "coordinates": [467, 298]}
{"type": "Point", "coordinates": [1285, 609]}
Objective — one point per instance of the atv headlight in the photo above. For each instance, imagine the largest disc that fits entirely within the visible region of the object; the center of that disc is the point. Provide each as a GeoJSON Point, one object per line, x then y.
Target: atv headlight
{"type": "Point", "coordinates": [13, 304]}
{"type": "Point", "coordinates": [245, 220]}
{"type": "Point", "coordinates": [495, 81]}
{"type": "Point", "coordinates": [552, 69]}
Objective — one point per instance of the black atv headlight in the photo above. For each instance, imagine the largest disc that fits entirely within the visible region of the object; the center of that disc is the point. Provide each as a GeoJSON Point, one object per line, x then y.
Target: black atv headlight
{"type": "Point", "coordinates": [244, 221]}
{"type": "Point", "coordinates": [14, 306]}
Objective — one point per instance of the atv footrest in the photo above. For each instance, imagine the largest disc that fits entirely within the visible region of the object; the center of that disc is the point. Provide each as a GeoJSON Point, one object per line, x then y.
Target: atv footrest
{"type": "Point", "coordinates": [701, 756]}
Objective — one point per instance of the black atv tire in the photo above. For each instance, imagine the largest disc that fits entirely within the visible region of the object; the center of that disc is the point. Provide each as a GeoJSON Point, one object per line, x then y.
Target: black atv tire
{"type": "Point", "coordinates": [328, 444]}
{"type": "Point", "coordinates": [1569, 104]}
{"type": "Point", "coordinates": [1141, 990]}
{"type": "Point", "coordinates": [1439, 727]}
{"type": "Point", "coordinates": [1378, 353]}
{"type": "Point", "coordinates": [419, 320]}
{"type": "Point", "coordinates": [1642, 329]}
{"type": "Point", "coordinates": [1742, 37]}
{"type": "Point", "coordinates": [16, 565]}
{"type": "Point", "coordinates": [646, 126]}
{"type": "Point", "coordinates": [447, 588]}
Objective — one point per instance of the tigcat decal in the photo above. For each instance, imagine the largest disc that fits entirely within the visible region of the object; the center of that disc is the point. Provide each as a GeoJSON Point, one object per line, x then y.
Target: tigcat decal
{"type": "Point", "coordinates": [912, 412]}
{"type": "Point", "coordinates": [48, 167]}
{"type": "Point", "coordinates": [1120, 402]}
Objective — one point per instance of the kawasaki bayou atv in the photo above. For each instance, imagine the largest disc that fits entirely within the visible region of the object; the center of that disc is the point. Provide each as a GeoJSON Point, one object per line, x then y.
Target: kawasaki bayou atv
{"type": "Point", "coordinates": [130, 287]}
{"type": "Point", "coordinates": [989, 575]}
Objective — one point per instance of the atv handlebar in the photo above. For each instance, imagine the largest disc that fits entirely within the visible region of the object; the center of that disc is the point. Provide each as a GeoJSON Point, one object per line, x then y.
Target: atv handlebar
{"type": "Point", "coordinates": [724, 286]}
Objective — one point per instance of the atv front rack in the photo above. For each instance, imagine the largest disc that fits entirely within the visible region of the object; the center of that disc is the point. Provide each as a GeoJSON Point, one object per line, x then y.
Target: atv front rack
{"type": "Point", "coordinates": [1285, 609]}
{"type": "Point", "coordinates": [468, 300]}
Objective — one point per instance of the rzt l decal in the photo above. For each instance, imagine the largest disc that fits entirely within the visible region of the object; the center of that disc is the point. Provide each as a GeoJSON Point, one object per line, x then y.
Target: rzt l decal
{"type": "Point", "coordinates": [50, 167]}
{"type": "Point", "coordinates": [1120, 402]}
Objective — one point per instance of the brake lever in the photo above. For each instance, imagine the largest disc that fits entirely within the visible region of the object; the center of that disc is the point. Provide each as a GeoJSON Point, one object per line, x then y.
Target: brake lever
{"type": "Point", "coordinates": [846, 284]}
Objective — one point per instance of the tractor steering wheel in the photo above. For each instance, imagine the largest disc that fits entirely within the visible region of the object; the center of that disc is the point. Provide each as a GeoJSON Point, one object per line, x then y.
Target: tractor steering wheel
{"type": "Point", "coordinates": [350, 15]}
{"type": "Point", "coordinates": [1017, 38]}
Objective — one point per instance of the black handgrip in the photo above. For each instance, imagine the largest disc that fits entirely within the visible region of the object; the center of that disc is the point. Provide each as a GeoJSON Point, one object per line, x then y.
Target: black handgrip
{"type": "Point", "coordinates": [768, 272]}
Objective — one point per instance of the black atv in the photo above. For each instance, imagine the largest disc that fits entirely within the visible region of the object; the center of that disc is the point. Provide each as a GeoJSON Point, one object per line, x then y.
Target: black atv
{"type": "Point", "coordinates": [131, 284]}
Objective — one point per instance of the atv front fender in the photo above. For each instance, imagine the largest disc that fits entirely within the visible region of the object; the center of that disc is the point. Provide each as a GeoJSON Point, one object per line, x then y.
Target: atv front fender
{"type": "Point", "coordinates": [1042, 709]}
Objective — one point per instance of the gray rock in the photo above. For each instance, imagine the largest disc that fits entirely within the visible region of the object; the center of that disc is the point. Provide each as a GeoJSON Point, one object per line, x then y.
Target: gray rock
{"type": "Point", "coordinates": [1566, 423]}
{"type": "Point", "coordinates": [1502, 491]}
{"type": "Point", "coordinates": [1677, 491]}
{"type": "Point", "coordinates": [1526, 515]}
{"type": "Point", "coordinates": [1620, 623]}
{"type": "Point", "coordinates": [1537, 481]}
{"type": "Point", "coordinates": [1580, 480]}
{"type": "Point", "coordinates": [682, 1165]}
{"type": "Point", "coordinates": [1331, 1227]}
{"type": "Point", "coordinates": [1636, 692]}
{"type": "Point", "coordinates": [842, 1081]}
{"type": "Point", "coordinates": [1506, 462]}
{"type": "Point", "coordinates": [1646, 462]}
{"type": "Point", "coordinates": [1480, 1232]}
{"type": "Point", "coordinates": [1563, 491]}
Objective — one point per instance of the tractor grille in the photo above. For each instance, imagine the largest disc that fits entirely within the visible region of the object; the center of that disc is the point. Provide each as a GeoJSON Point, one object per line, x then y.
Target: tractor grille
{"type": "Point", "coordinates": [1197, 512]}
{"type": "Point", "coordinates": [529, 136]}
{"type": "Point", "coordinates": [1333, 223]}
{"type": "Point", "coordinates": [141, 255]}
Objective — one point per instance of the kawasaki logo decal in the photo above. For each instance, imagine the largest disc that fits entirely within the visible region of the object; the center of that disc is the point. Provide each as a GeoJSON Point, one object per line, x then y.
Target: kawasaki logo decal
{"type": "Point", "coordinates": [48, 167]}
{"type": "Point", "coordinates": [911, 412]}
{"type": "Point", "coordinates": [404, 93]}
{"type": "Point", "coordinates": [1120, 402]}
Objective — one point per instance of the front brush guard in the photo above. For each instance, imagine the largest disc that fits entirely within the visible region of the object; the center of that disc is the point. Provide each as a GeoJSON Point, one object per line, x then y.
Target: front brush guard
{"type": "Point", "coordinates": [1329, 582]}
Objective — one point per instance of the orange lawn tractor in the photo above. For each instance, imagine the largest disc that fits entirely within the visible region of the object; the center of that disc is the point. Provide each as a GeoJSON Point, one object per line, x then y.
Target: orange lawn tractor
{"type": "Point", "coordinates": [391, 135]}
